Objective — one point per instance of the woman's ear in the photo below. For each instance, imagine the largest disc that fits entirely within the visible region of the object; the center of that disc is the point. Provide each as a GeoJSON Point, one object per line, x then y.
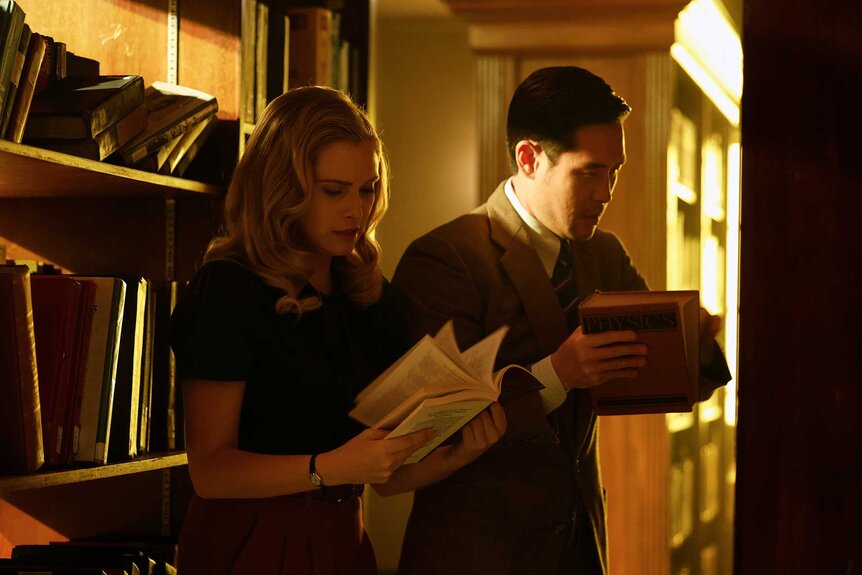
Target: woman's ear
{"type": "Point", "coordinates": [527, 156]}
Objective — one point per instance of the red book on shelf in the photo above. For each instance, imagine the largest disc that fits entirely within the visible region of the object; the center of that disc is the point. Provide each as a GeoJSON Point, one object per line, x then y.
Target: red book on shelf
{"type": "Point", "coordinates": [20, 415]}
{"type": "Point", "coordinates": [56, 305]}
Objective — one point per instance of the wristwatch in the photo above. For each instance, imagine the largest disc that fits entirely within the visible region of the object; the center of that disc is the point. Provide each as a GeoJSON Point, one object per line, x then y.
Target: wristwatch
{"type": "Point", "coordinates": [313, 475]}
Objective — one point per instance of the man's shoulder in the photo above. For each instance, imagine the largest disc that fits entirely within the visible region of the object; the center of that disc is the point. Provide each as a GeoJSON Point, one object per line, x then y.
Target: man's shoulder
{"type": "Point", "coordinates": [470, 229]}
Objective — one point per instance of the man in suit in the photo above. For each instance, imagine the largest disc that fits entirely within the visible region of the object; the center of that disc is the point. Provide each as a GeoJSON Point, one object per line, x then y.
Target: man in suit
{"type": "Point", "coordinates": [533, 504]}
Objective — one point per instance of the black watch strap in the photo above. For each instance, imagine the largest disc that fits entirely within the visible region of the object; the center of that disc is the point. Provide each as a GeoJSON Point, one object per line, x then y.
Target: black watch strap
{"type": "Point", "coordinates": [313, 475]}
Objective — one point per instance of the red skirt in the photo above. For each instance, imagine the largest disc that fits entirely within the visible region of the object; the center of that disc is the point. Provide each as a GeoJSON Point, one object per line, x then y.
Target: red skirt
{"type": "Point", "coordinates": [289, 535]}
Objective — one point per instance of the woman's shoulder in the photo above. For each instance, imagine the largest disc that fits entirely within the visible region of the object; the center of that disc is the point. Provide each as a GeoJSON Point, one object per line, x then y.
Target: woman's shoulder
{"type": "Point", "coordinates": [221, 283]}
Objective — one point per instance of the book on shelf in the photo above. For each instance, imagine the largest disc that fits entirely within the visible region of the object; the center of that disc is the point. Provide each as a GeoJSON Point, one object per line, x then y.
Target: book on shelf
{"type": "Point", "coordinates": [77, 65]}
{"type": "Point", "coordinates": [434, 385]}
{"type": "Point", "coordinates": [15, 78]}
{"type": "Point", "coordinates": [165, 422]}
{"type": "Point", "coordinates": [104, 143]}
{"type": "Point", "coordinates": [153, 162]}
{"type": "Point", "coordinates": [82, 107]}
{"type": "Point", "coordinates": [97, 394]}
{"type": "Point", "coordinates": [27, 86]}
{"type": "Point", "coordinates": [20, 413]}
{"type": "Point", "coordinates": [668, 323]}
{"type": "Point", "coordinates": [171, 111]}
{"type": "Point", "coordinates": [81, 351]}
{"type": "Point", "coordinates": [146, 391]}
{"type": "Point", "coordinates": [11, 28]}
{"type": "Point", "coordinates": [127, 390]}
{"type": "Point", "coordinates": [188, 151]}
{"type": "Point", "coordinates": [310, 58]}
{"type": "Point", "coordinates": [56, 306]}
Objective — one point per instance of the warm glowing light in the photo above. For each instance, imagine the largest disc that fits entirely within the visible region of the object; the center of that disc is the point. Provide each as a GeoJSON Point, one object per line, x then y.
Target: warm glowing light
{"type": "Point", "coordinates": [708, 48]}
{"type": "Point", "coordinates": [702, 78]}
{"type": "Point", "coordinates": [731, 319]}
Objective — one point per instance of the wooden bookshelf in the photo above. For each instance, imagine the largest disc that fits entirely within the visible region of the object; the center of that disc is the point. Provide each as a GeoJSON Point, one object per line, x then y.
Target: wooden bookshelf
{"type": "Point", "coordinates": [29, 172]}
{"type": "Point", "coordinates": [151, 462]}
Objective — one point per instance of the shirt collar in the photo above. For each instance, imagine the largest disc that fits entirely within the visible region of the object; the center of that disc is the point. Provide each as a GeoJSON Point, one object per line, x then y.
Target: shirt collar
{"type": "Point", "coordinates": [544, 241]}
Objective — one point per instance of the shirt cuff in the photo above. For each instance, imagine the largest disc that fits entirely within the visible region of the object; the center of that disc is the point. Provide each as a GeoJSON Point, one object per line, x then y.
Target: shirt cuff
{"type": "Point", "coordinates": [554, 393]}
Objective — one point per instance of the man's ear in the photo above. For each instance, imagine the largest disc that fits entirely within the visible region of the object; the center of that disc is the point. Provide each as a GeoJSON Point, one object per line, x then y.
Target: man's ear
{"type": "Point", "coordinates": [527, 157]}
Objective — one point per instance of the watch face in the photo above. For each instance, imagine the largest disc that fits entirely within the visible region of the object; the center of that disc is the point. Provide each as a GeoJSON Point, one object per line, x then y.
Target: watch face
{"type": "Point", "coordinates": [315, 479]}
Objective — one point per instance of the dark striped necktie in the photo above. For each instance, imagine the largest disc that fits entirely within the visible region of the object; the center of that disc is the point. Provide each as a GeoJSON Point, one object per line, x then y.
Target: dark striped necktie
{"type": "Point", "coordinates": [565, 284]}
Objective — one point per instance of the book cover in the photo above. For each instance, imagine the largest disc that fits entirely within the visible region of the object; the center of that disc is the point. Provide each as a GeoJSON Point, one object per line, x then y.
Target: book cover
{"type": "Point", "coordinates": [81, 65]}
{"type": "Point", "coordinates": [146, 396]}
{"type": "Point", "coordinates": [15, 78]}
{"type": "Point", "coordinates": [154, 161]}
{"type": "Point", "coordinates": [11, 27]}
{"type": "Point", "coordinates": [80, 353]}
{"type": "Point", "coordinates": [56, 305]}
{"type": "Point", "coordinates": [310, 46]}
{"type": "Point", "coordinates": [171, 111]}
{"type": "Point", "coordinates": [162, 427]}
{"type": "Point", "coordinates": [667, 322]}
{"type": "Point", "coordinates": [434, 385]}
{"type": "Point", "coordinates": [126, 404]}
{"type": "Point", "coordinates": [106, 142]}
{"type": "Point", "coordinates": [101, 372]}
{"type": "Point", "coordinates": [81, 107]}
{"type": "Point", "coordinates": [186, 152]}
{"type": "Point", "coordinates": [20, 413]}
{"type": "Point", "coordinates": [24, 96]}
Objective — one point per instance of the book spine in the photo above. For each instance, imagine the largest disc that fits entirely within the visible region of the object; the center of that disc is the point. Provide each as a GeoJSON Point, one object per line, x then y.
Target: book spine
{"type": "Point", "coordinates": [139, 152]}
{"type": "Point", "coordinates": [12, 31]}
{"type": "Point", "coordinates": [33, 62]}
{"type": "Point", "coordinates": [117, 107]}
{"type": "Point", "coordinates": [15, 79]}
{"type": "Point", "coordinates": [103, 427]}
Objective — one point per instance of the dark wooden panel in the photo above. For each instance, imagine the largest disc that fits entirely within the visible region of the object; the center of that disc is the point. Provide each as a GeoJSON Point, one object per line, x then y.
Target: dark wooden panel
{"type": "Point", "coordinates": [799, 481]}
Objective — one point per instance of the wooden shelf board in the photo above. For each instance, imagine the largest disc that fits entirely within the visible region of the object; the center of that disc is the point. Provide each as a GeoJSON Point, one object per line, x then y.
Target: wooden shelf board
{"type": "Point", "coordinates": [64, 476]}
{"type": "Point", "coordinates": [29, 172]}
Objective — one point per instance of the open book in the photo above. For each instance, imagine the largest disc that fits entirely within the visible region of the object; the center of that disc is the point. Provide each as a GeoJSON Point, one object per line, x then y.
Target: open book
{"type": "Point", "coordinates": [668, 323]}
{"type": "Point", "coordinates": [434, 385]}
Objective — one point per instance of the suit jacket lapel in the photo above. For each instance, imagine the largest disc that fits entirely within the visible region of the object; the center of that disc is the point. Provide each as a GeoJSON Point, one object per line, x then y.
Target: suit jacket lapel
{"type": "Point", "coordinates": [524, 269]}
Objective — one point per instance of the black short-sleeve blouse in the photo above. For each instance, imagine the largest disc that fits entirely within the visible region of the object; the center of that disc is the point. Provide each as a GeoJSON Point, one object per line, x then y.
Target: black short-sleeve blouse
{"type": "Point", "coordinates": [302, 372]}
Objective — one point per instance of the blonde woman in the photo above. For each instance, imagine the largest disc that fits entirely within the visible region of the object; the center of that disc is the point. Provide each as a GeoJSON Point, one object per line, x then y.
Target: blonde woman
{"type": "Point", "coordinates": [286, 321]}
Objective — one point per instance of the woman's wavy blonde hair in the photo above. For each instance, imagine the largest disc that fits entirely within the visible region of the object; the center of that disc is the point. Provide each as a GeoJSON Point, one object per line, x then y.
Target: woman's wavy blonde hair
{"type": "Point", "coordinates": [271, 190]}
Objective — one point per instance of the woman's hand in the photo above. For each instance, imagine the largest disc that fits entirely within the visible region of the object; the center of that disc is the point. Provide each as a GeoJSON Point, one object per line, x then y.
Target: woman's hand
{"type": "Point", "coordinates": [369, 457]}
{"type": "Point", "coordinates": [480, 434]}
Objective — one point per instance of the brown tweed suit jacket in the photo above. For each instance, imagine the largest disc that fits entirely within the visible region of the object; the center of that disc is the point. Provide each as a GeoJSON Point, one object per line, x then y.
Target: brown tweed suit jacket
{"type": "Point", "coordinates": [509, 513]}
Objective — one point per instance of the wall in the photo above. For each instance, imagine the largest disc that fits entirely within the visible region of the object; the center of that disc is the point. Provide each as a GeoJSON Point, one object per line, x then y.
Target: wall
{"type": "Point", "coordinates": [424, 107]}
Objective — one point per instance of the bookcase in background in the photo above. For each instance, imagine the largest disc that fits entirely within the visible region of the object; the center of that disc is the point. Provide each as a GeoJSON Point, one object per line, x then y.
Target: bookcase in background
{"type": "Point", "coordinates": [290, 43]}
{"type": "Point", "coordinates": [90, 217]}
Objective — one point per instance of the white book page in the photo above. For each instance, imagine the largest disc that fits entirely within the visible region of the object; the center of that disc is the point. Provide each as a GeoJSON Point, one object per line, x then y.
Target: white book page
{"type": "Point", "coordinates": [481, 357]}
{"type": "Point", "coordinates": [432, 370]}
{"type": "Point", "coordinates": [444, 419]}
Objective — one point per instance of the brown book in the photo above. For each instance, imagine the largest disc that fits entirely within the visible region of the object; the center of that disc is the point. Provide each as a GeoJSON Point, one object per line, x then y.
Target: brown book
{"type": "Point", "coordinates": [310, 47]}
{"type": "Point", "coordinates": [667, 322]}
{"type": "Point", "coordinates": [24, 96]}
{"type": "Point", "coordinates": [56, 305]}
{"type": "Point", "coordinates": [105, 143]}
{"type": "Point", "coordinates": [81, 107]}
{"type": "Point", "coordinates": [20, 415]}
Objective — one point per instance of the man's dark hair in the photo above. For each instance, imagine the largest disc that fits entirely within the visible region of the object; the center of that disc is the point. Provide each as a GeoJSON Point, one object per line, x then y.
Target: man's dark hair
{"type": "Point", "coordinates": [551, 103]}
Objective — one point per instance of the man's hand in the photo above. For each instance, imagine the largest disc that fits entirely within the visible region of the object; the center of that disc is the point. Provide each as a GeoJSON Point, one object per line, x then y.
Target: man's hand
{"type": "Point", "coordinates": [480, 434]}
{"type": "Point", "coordinates": [588, 360]}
